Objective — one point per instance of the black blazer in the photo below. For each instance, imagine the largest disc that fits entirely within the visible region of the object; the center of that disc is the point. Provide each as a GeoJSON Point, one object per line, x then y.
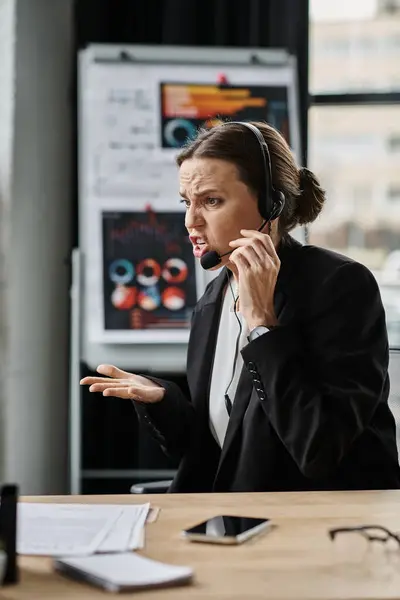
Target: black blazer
{"type": "Point", "coordinates": [310, 411]}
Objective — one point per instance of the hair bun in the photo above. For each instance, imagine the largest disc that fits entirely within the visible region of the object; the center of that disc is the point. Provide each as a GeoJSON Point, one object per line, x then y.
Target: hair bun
{"type": "Point", "coordinates": [306, 177]}
{"type": "Point", "coordinates": [311, 199]}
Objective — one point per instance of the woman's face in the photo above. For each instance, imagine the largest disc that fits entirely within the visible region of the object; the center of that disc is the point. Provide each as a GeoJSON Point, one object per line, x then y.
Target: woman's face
{"type": "Point", "coordinates": [218, 205]}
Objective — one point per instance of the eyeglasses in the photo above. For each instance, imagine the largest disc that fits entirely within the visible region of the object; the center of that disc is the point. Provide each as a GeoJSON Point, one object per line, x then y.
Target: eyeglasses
{"type": "Point", "coordinates": [361, 556]}
{"type": "Point", "coordinates": [372, 533]}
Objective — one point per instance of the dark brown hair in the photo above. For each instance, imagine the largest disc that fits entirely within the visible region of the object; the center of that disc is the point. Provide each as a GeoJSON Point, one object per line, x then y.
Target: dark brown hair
{"type": "Point", "coordinates": [238, 145]}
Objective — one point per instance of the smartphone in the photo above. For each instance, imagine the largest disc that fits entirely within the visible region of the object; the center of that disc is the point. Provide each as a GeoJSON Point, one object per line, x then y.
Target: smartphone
{"type": "Point", "coordinates": [227, 529]}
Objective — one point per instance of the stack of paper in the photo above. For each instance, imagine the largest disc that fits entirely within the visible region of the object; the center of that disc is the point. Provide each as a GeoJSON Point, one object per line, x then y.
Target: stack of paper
{"type": "Point", "coordinates": [123, 572]}
{"type": "Point", "coordinates": [79, 529]}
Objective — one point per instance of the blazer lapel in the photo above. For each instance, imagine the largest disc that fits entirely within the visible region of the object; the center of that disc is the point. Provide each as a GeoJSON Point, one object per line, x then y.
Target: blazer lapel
{"type": "Point", "coordinates": [204, 330]}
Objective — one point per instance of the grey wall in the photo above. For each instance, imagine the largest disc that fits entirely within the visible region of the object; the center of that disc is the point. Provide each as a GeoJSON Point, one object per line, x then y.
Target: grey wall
{"type": "Point", "coordinates": [34, 397]}
{"type": "Point", "coordinates": [7, 43]}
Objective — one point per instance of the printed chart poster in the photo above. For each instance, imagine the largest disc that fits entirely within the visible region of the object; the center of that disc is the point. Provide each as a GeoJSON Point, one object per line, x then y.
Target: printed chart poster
{"type": "Point", "coordinates": [148, 271]}
{"type": "Point", "coordinates": [186, 107]}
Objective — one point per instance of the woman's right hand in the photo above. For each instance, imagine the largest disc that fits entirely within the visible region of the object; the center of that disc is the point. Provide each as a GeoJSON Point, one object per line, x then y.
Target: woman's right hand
{"type": "Point", "coordinates": [122, 384]}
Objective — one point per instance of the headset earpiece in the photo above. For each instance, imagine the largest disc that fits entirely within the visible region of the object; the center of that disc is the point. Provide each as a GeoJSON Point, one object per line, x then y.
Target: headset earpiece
{"type": "Point", "coordinates": [278, 203]}
{"type": "Point", "coordinates": [280, 197]}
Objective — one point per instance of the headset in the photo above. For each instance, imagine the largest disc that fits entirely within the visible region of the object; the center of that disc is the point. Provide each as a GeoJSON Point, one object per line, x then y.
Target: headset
{"type": "Point", "coordinates": [271, 201]}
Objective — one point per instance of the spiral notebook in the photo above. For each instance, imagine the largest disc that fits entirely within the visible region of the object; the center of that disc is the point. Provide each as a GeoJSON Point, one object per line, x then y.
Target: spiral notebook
{"type": "Point", "coordinates": [123, 572]}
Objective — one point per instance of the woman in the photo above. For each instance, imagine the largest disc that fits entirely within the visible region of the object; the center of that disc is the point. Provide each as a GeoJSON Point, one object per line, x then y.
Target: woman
{"type": "Point", "coordinates": [288, 352]}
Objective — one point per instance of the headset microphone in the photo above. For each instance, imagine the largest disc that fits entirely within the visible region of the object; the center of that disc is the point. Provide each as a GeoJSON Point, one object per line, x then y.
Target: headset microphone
{"type": "Point", "coordinates": [211, 259]}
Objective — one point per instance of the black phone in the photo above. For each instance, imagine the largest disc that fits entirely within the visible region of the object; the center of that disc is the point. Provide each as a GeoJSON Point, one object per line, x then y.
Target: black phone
{"type": "Point", "coordinates": [227, 529]}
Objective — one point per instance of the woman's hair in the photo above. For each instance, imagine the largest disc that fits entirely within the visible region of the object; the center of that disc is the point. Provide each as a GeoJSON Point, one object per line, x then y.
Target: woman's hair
{"type": "Point", "coordinates": [238, 145]}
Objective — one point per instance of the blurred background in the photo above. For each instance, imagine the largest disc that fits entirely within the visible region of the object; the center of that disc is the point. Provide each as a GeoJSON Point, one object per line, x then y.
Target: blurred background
{"type": "Point", "coordinates": [56, 437]}
{"type": "Point", "coordinates": [354, 136]}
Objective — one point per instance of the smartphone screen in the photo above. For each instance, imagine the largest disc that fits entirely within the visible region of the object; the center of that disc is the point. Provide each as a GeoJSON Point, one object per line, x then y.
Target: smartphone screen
{"type": "Point", "coordinates": [227, 529]}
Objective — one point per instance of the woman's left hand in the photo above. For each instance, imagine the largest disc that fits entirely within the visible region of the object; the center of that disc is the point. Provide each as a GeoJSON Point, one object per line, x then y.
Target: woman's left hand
{"type": "Point", "coordinates": [257, 266]}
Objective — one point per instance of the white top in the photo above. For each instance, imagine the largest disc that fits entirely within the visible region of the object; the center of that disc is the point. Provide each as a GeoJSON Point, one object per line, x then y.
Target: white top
{"type": "Point", "coordinates": [228, 332]}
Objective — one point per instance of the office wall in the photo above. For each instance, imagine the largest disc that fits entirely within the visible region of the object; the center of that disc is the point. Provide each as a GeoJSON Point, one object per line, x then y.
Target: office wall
{"type": "Point", "coordinates": [7, 44]}
{"type": "Point", "coordinates": [34, 397]}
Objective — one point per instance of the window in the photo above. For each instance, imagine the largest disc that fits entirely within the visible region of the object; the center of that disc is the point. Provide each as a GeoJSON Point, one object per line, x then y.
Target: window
{"type": "Point", "coordinates": [354, 137]}
{"type": "Point", "coordinates": [348, 151]}
{"type": "Point", "coordinates": [354, 45]}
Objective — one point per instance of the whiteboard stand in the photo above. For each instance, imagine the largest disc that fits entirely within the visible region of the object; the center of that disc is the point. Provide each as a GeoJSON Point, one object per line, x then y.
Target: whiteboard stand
{"type": "Point", "coordinates": [75, 413]}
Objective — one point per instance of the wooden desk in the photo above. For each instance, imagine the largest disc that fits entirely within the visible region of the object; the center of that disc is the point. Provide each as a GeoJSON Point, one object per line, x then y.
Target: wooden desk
{"type": "Point", "coordinates": [296, 560]}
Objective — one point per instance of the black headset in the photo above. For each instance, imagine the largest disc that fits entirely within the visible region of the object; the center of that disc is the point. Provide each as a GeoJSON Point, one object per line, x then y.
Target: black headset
{"type": "Point", "coordinates": [270, 201]}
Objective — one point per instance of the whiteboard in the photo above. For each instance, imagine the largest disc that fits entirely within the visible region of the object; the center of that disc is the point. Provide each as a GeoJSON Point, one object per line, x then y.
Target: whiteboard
{"type": "Point", "coordinates": [124, 168]}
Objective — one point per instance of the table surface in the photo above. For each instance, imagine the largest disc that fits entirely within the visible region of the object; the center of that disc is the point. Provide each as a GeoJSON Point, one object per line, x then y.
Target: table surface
{"type": "Point", "coordinates": [295, 560]}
